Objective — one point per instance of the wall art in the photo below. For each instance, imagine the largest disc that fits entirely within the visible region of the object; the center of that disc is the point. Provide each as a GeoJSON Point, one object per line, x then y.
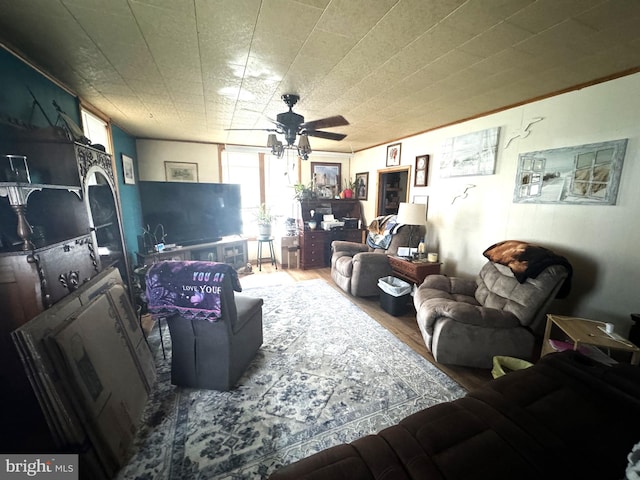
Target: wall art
{"type": "Point", "coordinates": [326, 179]}
{"type": "Point", "coordinates": [393, 154]}
{"type": "Point", "coordinates": [128, 170]}
{"type": "Point", "coordinates": [362, 185]}
{"type": "Point", "coordinates": [421, 178]}
{"type": "Point", "coordinates": [181, 171]}
{"type": "Point", "coordinates": [470, 154]}
{"type": "Point", "coordinates": [585, 174]}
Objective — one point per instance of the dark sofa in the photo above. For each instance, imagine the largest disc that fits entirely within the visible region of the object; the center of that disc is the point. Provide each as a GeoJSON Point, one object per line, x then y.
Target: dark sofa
{"type": "Point", "coordinates": [567, 417]}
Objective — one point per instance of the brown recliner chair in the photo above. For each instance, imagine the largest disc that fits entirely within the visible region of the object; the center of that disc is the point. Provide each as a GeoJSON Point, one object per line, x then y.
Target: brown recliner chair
{"type": "Point", "coordinates": [501, 312]}
{"type": "Point", "coordinates": [356, 267]}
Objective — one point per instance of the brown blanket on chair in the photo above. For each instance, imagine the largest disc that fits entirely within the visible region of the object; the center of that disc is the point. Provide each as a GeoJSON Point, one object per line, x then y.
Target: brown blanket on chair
{"type": "Point", "coordinates": [526, 260]}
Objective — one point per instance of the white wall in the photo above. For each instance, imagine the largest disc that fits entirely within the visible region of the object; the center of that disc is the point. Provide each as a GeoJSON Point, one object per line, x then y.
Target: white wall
{"type": "Point", "coordinates": [600, 241]}
{"type": "Point", "coordinates": [153, 153]}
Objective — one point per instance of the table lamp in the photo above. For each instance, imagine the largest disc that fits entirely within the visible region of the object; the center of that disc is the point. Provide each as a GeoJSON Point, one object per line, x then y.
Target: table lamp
{"type": "Point", "coordinates": [412, 214]}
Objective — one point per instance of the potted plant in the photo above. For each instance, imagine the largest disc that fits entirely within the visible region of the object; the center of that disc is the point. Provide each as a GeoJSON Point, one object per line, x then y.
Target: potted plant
{"type": "Point", "coordinates": [302, 191]}
{"type": "Point", "coordinates": [349, 188]}
{"type": "Point", "coordinates": [264, 219]}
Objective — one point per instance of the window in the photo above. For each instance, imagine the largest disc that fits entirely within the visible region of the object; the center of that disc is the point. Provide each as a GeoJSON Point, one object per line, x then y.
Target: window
{"type": "Point", "coordinates": [276, 188]}
{"type": "Point", "coordinates": [244, 169]}
{"type": "Point", "coordinates": [95, 129]}
{"type": "Point", "coordinates": [280, 176]}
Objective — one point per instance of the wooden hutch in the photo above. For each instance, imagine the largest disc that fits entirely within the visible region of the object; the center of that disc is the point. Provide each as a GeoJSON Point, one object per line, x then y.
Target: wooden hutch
{"type": "Point", "coordinates": [59, 227]}
{"type": "Point", "coordinates": [315, 245]}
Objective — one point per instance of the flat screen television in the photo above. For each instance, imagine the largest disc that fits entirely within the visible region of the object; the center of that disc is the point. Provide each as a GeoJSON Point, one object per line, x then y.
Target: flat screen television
{"type": "Point", "coordinates": [191, 213]}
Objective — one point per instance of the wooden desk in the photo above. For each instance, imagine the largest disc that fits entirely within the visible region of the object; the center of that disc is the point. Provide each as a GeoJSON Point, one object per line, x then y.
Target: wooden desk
{"type": "Point", "coordinates": [586, 332]}
{"type": "Point", "coordinates": [413, 272]}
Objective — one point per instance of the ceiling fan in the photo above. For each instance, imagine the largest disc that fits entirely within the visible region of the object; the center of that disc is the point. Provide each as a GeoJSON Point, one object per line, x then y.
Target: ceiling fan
{"type": "Point", "coordinates": [291, 124]}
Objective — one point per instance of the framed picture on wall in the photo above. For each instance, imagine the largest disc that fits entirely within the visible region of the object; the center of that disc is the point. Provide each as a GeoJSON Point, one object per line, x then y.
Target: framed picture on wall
{"type": "Point", "coordinates": [181, 171]}
{"type": "Point", "coordinates": [393, 154]}
{"type": "Point", "coordinates": [421, 178]}
{"type": "Point", "coordinates": [362, 185]}
{"type": "Point", "coordinates": [326, 179]}
{"type": "Point", "coordinates": [127, 170]}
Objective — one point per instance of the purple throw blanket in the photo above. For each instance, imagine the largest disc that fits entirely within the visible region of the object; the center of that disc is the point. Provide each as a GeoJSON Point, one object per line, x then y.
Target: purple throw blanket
{"type": "Point", "coordinates": [190, 289]}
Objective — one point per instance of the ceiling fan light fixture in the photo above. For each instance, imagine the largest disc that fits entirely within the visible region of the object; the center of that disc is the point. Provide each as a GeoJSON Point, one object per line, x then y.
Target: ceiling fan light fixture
{"type": "Point", "coordinates": [277, 149]}
{"type": "Point", "coordinates": [304, 148]}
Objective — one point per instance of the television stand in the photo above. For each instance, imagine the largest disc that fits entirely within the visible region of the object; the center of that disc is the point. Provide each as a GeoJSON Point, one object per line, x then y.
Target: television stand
{"type": "Point", "coordinates": [232, 250]}
{"type": "Point", "coordinates": [202, 241]}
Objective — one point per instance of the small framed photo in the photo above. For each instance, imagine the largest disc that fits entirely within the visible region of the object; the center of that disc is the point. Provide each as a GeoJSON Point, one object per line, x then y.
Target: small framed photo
{"type": "Point", "coordinates": [421, 178]}
{"type": "Point", "coordinates": [393, 154]}
{"type": "Point", "coordinates": [181, 171]}
{"type": "Point", "coordinates": [362, 185]}
{"type": "Point", "coordinates": [127, 170]}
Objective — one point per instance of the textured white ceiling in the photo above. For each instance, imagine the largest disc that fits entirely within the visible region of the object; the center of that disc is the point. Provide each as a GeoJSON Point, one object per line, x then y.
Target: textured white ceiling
{"type": "Point", "coordinates": [188, 69]}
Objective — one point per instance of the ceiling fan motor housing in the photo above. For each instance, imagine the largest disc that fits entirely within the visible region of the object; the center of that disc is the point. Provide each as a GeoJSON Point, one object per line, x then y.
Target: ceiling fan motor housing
{"type": "Point", "coordinates": [290, 122]}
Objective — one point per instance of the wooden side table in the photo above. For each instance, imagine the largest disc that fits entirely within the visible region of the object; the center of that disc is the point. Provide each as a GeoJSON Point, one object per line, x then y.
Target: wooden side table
{"type": "Point", "coordinates": [586, 332]}
{"type": "Point", "coordinates": [413, 272]}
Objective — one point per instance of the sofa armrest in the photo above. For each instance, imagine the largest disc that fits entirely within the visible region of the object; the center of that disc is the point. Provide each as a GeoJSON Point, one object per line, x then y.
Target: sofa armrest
{"type": "Point", "coordinates": [350, 248]}
{"type": "Point", "coordinates": [371, 258]}
{"type": "Point", "coordinates": [368, 267]}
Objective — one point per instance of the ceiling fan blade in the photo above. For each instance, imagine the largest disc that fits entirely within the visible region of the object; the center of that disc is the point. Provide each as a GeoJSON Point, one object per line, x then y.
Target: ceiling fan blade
{"type": "Point", "coordinates": [264, 116]}
{"type": "Point", "coordinates": [335, 121]}
{"type": "Point", "coordinates": [327, 135]}
{"type": "Point", "coordinates": [252, 129]}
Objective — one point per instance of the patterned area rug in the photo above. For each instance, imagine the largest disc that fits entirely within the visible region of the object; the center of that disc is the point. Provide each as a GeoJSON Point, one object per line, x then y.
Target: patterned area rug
{"type": "Point", "coordinates": [326, 374]}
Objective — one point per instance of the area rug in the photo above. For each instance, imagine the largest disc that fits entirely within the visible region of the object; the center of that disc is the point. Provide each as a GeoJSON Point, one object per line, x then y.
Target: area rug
{"type": "Point", "coordinates": [326, 374]}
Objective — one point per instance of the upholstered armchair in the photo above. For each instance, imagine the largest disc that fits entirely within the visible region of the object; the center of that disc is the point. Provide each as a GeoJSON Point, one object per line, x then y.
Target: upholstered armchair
{"type": "Point", "coordinates": [500, 312]}
{"type": "Point", "coordinates": [211, 346]}
{"type": "Point", "coordinates": [356, 267]}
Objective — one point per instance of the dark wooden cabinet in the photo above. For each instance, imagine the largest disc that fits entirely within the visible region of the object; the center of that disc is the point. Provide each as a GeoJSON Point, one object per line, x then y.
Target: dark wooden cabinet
{"type": "Point", "coordinates": [55, 236]}
{"type": "Point", "coordinates": [315, 245]}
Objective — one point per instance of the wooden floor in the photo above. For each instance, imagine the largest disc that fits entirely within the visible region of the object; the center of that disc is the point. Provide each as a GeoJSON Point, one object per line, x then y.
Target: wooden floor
{"type": "Point", "coordinates": [404, 327]}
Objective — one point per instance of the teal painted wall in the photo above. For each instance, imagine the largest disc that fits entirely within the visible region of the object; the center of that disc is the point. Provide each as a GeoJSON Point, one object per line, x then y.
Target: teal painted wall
{"type": "Point", "coordinates": [16, 78]}
{"type": "Point", "coordinates": [17, 103]}
{"type": "Point", "coordinates": [123, 143]}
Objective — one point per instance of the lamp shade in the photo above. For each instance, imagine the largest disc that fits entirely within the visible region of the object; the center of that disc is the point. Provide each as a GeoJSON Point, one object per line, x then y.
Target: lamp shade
{"type": "Point", "coordinates": [412, 214]}
{"type": "Point", "coordinates": [272, 140]}
{"type": "Point", "coordinates": [303, 143]}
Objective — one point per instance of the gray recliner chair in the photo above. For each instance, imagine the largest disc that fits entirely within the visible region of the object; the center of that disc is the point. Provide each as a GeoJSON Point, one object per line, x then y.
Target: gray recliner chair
{"type": "Point", "coordinates": [215, 355]}
{"type": "Point", "coordinates": [207, 352]}
{"type": "Point", "coordinates": [356, 267]}
{"type": "Point", "coordinates": [501, 312]}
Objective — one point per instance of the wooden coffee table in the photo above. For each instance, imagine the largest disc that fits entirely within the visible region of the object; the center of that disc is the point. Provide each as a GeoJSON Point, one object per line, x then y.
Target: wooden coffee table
{"type": "Point", "coordinates": [413, 272]}
{"type": "Point", "coordinates": [586, 332]}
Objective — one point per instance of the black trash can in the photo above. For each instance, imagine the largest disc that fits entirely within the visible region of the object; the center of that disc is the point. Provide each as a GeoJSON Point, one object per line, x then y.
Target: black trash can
{"type": "Point", "coordinates": [395, 295]}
